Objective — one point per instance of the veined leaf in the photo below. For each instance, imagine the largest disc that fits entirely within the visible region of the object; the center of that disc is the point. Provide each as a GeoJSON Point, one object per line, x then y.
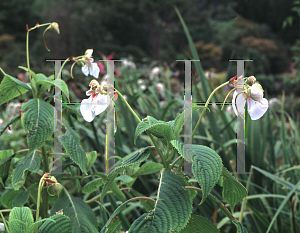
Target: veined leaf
{"type": "Point", "coordinates": [5, 125]}
{"type": "Point", "coordinates": [8, 198]}
{"type": "Point", "coordinates": [82, 218]}
{"type": "Point", "coordinates": [91, 158]}
{"type": "Point", "coordinates": [132, 160]}
{"type": "Point", "coordinates": [172, 210]}
{"type": "Point", "coordinates": [21, 199]}
{"type": "Point", "coordinates": [200, 224]}
{"type": "Point", "coordinates": [5, 159]}
{"type": "Point", "coordinates": [71, 142]}
{"type": "Point", "coordinates": [159, 129]}
{"type": "Point", "coordinates": [30, 162]}
{"type": "Point", "coordinates": [60, 224]}
{"type": "Point", "coordinates": [11, 88]}
{"type": "Point", "coordinates": [93, 185]}
{"type": "Point", "coordinates": [20, 219]}
{"type": "Point", "coordinates": [38, 120]}
{"type": "Point", "coordinates": [233, 191]}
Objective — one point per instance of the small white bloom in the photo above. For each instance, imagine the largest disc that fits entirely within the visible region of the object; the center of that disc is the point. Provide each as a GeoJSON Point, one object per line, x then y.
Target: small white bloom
{"type": "Point", "coordinates": [2, 227]}
{"type": "Point", "coordinates": [160, 89]}
{"type": "Point", "coordinates": [154, 73]}
{"type": "Point", "coordinates": [129, 64]}
{"type": "Point", "coordinates": [257, 105]}
{"type": "Point", "coordinates": [91, 69]}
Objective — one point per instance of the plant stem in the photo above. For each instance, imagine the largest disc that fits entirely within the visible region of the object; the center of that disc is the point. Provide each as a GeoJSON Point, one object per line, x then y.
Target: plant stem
{"type": "Point", "coordinates": [4, 222]}
{"type": "Point", "coordinates": [176, 160]}
{"type": "Point", "coordinates": [151, 137]}
{"type": "Point", "coordinates": [45, 160]}
{"type": "Point", "coordinates": [206, 104]}
{"type": "Point", "coordinates": [28, 65]}
{"type": "Point", "coordinates": [98, 196]}
{"type": "Point", "coordinates": [39, 201]}
{"type": "Point", "coordinates": [44, 204]}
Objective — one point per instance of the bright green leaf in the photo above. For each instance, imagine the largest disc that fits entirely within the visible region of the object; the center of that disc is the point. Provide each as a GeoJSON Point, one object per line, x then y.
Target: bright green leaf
{"type": "Point", "coordinates": [93, 185]}
{"type": "Point", "coordinates": [20, 219]}
{"type": "Point", "coordinates": [91, 158]}
{"type": "Point", "coordinates": [149, 168]}
{"type": "Point", "coordinates": [200, 224]}
{"type": "Point", "coordinates": [61, 224]}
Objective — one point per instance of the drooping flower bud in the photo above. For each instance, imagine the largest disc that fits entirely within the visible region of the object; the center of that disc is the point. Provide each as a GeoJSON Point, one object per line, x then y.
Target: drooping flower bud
{"type": "Point", "coordinates": [250, 80]}
{"type": "Point", "coordinates": [53, 27]}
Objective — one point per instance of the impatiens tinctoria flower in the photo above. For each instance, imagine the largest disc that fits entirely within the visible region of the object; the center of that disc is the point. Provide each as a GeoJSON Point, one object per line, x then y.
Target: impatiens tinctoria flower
{"type": "Point", "coordinates": [90, 67]}
{"type": "Point", "coordinates": [252, 93]}
{"type": "Point", "coordinates": [97, 103]}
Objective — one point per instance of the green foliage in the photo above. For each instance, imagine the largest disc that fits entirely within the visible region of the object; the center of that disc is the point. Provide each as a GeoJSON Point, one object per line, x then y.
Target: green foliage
{"type": "Point", "coordinates": [199, 224]}
{"type": "Point", "coordinates": [172, 210]}
{"type": "Point", "coordinates": [61, 224]}
{"type": "Point", "coordinates": [82, 218]}
{"type": "Point", "coordinates": [30, 162]}
{"type": "Point", "coordinates": [38, 120]}
{"type": "Point", "coordinates": [20, 220]}
{"type": "Point", "coordinates": [5, 159]}
{"type": "Point", "coordinates": [71, 143]}
{"type": "Point", "coordinates": [5, 125]}
{"type": "Point", "coordinates": [93, 185]}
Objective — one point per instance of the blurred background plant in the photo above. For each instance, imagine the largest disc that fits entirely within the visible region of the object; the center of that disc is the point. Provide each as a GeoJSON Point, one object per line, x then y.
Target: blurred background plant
{"type": "Point", "coordinates": [149, 35]}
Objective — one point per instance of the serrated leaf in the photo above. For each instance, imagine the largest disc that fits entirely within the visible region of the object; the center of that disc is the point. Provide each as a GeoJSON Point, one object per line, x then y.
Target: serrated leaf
{"type": "Point", "coordinates": [8, 198]}
{"type": "Point", "coordinates": [30, 162]}
{"type": "Point", "coordinates": [5, 159]}
{"type": "Point", "coordinates": [207, 167]}
{"type": "Point", "coordinates": [61, 224]}
{"type": "Point", "coordinates": [38, 121]}
{"type": "Point", "coordinates": [20, 219]}
{"type": "Point", "coordinates": [172, 210]}
{"type": "Point", "coordinates": [91, 158]}
{"type": "Point", "coordinates": [179, 120]}
{"type": "Point", "coordinates": [179, 146]}
{"type": "Point", "coordinates": [233, 191]}
{"type": "Point", "coordinates": [240, 227]}
{"type": "Point", "coordinates": [59, 83]}
{"type": "Point", "coordinates": [5, 125]}
{"type": "Point", "coordinates": [148, 168]}
{"type": "Point", "coordinates": [193, 192]}
{"type": "Point", "coordinates": [124, 179]}
{"type": "Point", "coordinates": [11, 88]}
{"type": "Point", "coordinates": [159, 129]}
{"type": "Point", "coordinates": [138, 157]}
{"type": "Point", "coordinates": [71, 143]}
{"type": "Point", "coordinates": [93, 185]}
{"type": "Point", "coordinates": [21, 199]}
{"type": "Point", "coordinates": [200, 224]}
{"type": "Point", "coordinates": [82, 218]}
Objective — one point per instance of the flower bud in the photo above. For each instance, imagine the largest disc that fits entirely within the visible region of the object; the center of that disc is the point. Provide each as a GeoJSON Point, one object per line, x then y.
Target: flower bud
{"type": "Point", "coordinates": [256, 92]}
{"type": "Point", "coordinates": [54, 27]}
{"type": "Point", "coordinates": [250, 80]}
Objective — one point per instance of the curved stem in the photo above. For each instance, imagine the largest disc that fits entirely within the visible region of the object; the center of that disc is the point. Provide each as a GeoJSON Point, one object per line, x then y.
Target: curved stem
{"type": "Point", "coordinates": [176, 160]}
{"type": "Point", "coordinates": [28, 65]}
{"type": "Point", "coordinates": [4, 221]}
{"type": "Point", "coordinates": [206, 104]}
{"type": "Point", "coordinates": [39, 202]}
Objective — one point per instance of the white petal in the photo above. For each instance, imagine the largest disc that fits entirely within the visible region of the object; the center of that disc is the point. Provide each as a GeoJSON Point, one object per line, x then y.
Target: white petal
{"type": "Point", "coordinates": [100, 103]}
{"type": "Point", "coordinates": [238, 102]}
{"type": "Point", "coordinates": [85, 70]}
{"type": "Point", "coordinates": [257, 109]}
{"type": "Point", "coordinates": [94, 70]}
{"type": "Point", "coordinates": [86, 110]}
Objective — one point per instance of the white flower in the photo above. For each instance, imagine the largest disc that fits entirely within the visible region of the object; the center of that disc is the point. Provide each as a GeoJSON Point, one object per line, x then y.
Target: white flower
{"type": "Point", "coordinates": [90, 67]}
{"type": "Point", "coordinates": [2, 227]}
{"type": "Point", "coordinates": [129, 64]}
{"type": "Point", "coordinates": [257, 105]}
{"type": "Point", "coordinates": [95, 104]}
{"type": "Point", "coordinates": [154, 73]}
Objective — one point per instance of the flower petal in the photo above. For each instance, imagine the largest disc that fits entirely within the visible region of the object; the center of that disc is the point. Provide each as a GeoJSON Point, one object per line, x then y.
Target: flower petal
{"type": "Point", "coordinates": [86, 110]}
{"type": "Point", "coordinates": [238, 103]}
{"type": "Point", "coordinates": [94, 70]}
{"type": "Point", "coordinates": [100, 103]}
{"type": "Point", "coordinates": [85, 70]}
{"type": "Point", "coordinates": [257, 109]}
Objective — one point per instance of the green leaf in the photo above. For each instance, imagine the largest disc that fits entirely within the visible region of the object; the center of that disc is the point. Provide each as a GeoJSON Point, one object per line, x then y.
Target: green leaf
{"type": "Point", "coordinates": [61, 224]}
{"type": "Point", "coordinates": [179, 146]}
{"type": "Point", "coordinates": [200, 224]}
{"type": "Point", "coordinates": [30, 162]}
{"type": "Point", "coordinates": [8, 197]}
{"type": "Point", "coordinates": [93, 185]}
{"type": "Point", "coordinates": [159, 129]}
{"type": "Point", "coordinates": [82, 218]}
{"type": "Point", "coordinates": [69, 110]}
{"type": "Point", "coordinates": [138, 157]}
{"type": "Point", "coordinates": [11, 88]}
{"type": "Point", "coordinates": [233, 191]}
{"type": "Point", "coordinates": [179, 120]}
{"type": "Point", "coordinates": [5, 125]}
{"type": "Point", "coordinates": [20, 219]}
{"type": "Point", "coordinates": [148, 168]}
{"type": "Point", "coordinates": [207, 168]}
{"type": "Point", "coordinates": [193, 192]}
{"type": "Point", "coordinates": [91, 158]}
{"type": "Point", "coordinates": [172, 210]}
{"type": "Point", "coordinates": [21, 199]}
{"type": "Point", "coordinates": [71, 142]}
{"type": "Point", "coordinates": [125, 179]}
{"type": "Point", "coordinates": [116, 190]}
{"type": "Point", "coordinates": [57, 83]}
{"type": "Point", "coordinates": [5, 159]}
{"type": "Point", "coordinates": [38, 120]}
{"type": "Point", "coordinates": [240, 227]}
